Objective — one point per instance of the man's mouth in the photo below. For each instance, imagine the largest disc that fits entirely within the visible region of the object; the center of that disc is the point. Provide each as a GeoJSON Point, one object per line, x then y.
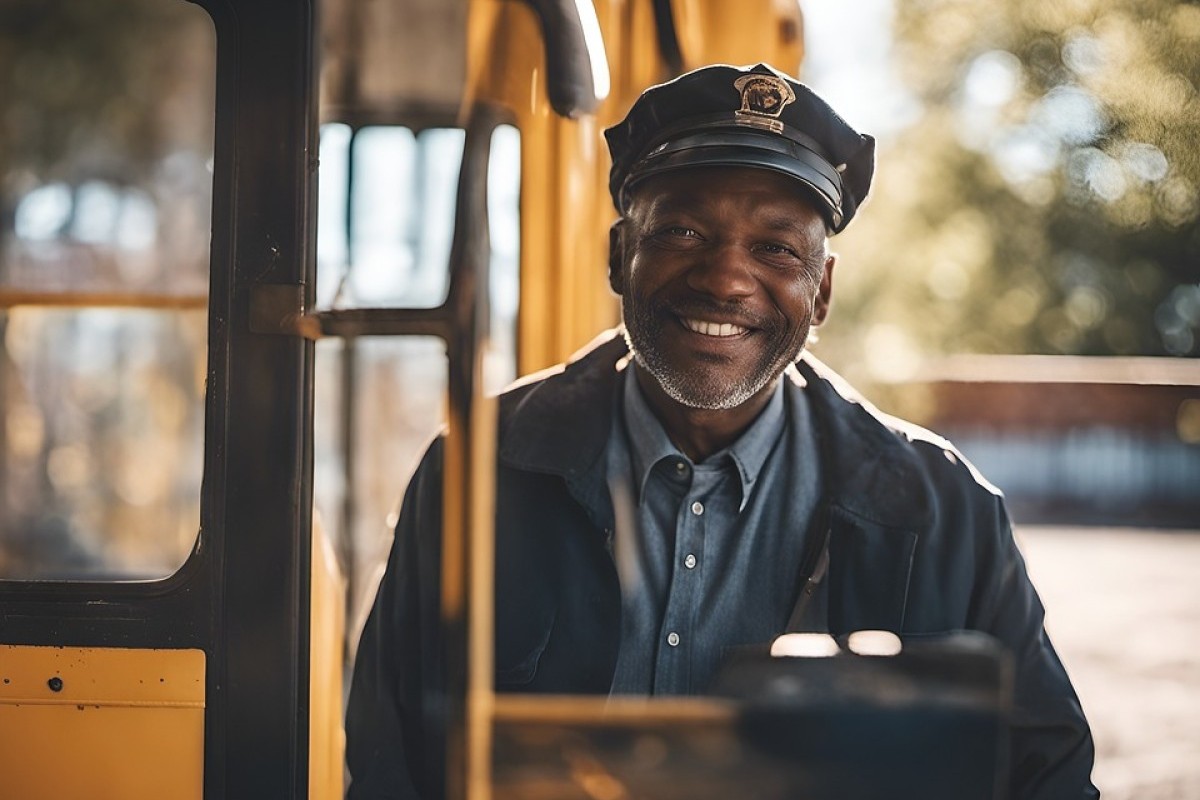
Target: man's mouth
{"type": "Point", "coordinates": [718, 329]}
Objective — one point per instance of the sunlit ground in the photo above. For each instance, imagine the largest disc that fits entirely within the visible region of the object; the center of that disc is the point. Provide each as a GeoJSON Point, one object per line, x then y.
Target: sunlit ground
{"type": "Point", "coordinates": [1123, 607]}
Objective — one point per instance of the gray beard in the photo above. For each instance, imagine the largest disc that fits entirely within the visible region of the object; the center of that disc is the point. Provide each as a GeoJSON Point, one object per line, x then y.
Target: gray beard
{"type": "Point", "coordinates": [686, 389]}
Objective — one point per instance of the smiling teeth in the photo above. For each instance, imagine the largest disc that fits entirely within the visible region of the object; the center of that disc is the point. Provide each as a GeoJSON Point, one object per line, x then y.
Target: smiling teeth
{"type": "Point", "coordinates": [714, 328]}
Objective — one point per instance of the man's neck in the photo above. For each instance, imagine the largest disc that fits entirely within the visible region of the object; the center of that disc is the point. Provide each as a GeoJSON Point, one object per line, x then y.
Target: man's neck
{"type": "Point", "coordinates": [700, 432]}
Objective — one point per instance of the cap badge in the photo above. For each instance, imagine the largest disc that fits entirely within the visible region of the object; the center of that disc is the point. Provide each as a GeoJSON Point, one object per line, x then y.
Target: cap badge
{"type": "Point", "coordinates": [763, 100]}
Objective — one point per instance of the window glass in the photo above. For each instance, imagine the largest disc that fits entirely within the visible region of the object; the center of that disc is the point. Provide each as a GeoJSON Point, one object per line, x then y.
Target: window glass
{"type": "Point", "coordinates": [102, 434]}
{"type": "Point", "coordinates": [504, 237]}
{"type": "Point", "coordinates": [386, 215]}
{"type": "Point", "coordinates": [105, 196]}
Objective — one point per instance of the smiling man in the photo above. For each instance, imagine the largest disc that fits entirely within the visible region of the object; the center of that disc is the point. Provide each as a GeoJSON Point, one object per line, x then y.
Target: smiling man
{"type": "Point", "coordinates": [722, 272]}
{"type": "Point", "coordinates": [700, 483]}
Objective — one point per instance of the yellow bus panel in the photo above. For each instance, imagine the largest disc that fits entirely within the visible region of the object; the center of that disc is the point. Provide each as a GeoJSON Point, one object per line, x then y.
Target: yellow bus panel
{"type": "Point", "coordinates": [100, 723]}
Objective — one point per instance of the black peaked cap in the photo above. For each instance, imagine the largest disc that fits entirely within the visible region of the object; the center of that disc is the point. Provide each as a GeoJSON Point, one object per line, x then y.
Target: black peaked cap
{"type": "Point", "coordinates": [756, 116]}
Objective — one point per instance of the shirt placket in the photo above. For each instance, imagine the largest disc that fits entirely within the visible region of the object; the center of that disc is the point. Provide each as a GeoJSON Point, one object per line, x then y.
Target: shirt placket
{"type": "Point", "coordinates": [672, 668]}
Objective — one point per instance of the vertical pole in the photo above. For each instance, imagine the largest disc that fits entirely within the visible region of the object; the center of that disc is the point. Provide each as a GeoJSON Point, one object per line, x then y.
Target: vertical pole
{"type": "Point", "coordinates": [468, 536]}
{"type": "Point", "coordinates": [481, 614]}
{"type": "Point", "coordinates": [349, 421]}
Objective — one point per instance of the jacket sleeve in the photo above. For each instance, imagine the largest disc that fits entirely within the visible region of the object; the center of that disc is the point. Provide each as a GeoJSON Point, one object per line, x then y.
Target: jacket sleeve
{"type": "Point", "coordinates": [1051, 745]}
{"type": "Point", "coordinates": [388, 751]}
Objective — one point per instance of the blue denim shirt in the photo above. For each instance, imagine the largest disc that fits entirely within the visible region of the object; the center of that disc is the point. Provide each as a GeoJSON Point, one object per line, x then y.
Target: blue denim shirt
{"type": "Point", "coordinates": [707, 552]}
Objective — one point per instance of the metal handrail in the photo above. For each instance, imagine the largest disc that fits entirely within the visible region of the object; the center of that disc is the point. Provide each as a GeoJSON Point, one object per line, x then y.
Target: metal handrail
{"type": "Point", "coordinates": [577, 76]}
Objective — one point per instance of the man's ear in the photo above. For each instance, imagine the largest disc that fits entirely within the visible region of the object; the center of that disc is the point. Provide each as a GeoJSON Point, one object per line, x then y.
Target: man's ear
{"type": "Point", "coordinates": [825, 292]}
{"type": "Point", "coordinates": [616, 255]}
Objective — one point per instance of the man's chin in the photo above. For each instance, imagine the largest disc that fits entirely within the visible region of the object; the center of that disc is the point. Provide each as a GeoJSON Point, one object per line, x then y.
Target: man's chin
{"type": "Point", "coordinates": [706, 402]}
{"type": "Point", "coordinates": [700, 387]}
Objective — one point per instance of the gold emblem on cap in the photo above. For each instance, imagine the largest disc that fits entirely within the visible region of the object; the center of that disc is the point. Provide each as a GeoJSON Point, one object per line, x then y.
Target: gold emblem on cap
{"type": "Point", "coordinates": [763, 100]}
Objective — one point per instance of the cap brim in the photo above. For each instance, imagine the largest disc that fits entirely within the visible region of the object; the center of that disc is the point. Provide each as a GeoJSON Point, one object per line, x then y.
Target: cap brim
{"type": "Point", "coordinates": [747, 149]}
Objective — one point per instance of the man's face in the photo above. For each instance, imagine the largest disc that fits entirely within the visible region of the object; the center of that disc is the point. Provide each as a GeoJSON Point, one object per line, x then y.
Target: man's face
{"type": "Point", "coordinates": [722, 272]}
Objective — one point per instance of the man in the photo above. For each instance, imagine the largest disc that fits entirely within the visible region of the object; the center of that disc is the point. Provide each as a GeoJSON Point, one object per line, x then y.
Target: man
{"type": "Point", "coordinates": [700, 484]}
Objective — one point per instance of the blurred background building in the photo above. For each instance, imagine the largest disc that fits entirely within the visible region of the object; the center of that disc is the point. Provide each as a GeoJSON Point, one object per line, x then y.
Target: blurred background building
{"type": "Point", "coordinates": [1072, 440]}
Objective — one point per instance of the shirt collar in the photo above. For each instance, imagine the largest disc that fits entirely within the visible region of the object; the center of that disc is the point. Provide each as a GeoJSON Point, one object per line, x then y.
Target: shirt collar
{"type": "Point", "coordinates": [649, 443]}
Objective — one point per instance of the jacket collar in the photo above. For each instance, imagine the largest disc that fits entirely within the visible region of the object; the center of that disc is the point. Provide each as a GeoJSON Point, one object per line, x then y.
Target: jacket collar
{"type": "Point", "coordinates": [558, 422]}
{"type": "Point", "coordinates": [871, 468]}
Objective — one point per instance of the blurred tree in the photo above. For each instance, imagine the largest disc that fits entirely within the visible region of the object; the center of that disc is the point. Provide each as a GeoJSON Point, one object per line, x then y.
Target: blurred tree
{"type": "Point", "coordinates": [96, 90]}
{"type": "Point", "coordinates": [74, 72]}
{"type": "Point", "coordinates": [1045, 198]}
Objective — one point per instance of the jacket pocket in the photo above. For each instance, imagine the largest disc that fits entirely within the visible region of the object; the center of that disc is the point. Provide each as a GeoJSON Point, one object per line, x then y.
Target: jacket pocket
{"type": "Point", "coordinates": [869, 570]}
{"type": "Point", "coordinates": [518, 654]}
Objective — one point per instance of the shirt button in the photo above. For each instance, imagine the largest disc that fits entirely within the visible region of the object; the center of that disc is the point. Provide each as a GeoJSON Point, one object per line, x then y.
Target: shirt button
{"type": "Point", "coordinates": [673, 639]}
{"type": "Point", "coordinates": [689, 561]}
{"type": "Point", "coordinates": [680, 467]}
{"type": "Point", "coordinates": [697, 508]}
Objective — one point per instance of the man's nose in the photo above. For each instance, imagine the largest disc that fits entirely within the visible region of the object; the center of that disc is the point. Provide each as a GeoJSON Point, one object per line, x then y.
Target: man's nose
{"type": "Point", "coordinates": [724, 272]}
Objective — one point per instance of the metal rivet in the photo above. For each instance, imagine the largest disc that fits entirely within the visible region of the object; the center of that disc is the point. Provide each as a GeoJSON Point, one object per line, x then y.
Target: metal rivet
{"type": "Point", "coordinates": [689, 561]}
{"type": "Point", "coordinates": [697, 508]}
{"type": "Point", "coordinates": [673, 638]}
{"type": "Point", "coordinates": [55, 684]}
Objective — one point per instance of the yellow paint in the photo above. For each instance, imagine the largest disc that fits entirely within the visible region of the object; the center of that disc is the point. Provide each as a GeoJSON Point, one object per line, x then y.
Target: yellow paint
{"type": "Point", "coordinates": [746, 32]}
{"type": "Point", "coordinates": [482, 569]}
{"type": "Point", "coordinates": [326, 736]}
{"type": "Point", "coordinates": [125, 723]}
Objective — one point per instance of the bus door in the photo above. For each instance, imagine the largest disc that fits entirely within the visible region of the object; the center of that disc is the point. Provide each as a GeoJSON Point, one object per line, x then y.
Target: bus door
{"type": "Point", "coordinates": [156, 188]}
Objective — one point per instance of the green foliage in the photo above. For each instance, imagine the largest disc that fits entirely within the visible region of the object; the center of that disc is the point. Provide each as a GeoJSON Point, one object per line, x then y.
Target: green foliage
{"type": "Point", "coordinates": [77, 78]}
{"type": "Point", "coordinates": [1045, 200]}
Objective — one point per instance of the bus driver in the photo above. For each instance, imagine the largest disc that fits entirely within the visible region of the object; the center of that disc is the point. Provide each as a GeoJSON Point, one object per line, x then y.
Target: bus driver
{"type": "Point", "coordinates": [675, 489]}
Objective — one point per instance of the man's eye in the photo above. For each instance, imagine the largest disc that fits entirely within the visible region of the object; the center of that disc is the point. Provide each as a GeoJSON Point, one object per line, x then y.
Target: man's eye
{"type": "Point", "coordinates": [680, 230]}
{"type": "Point", "coordinates": [773, 248]}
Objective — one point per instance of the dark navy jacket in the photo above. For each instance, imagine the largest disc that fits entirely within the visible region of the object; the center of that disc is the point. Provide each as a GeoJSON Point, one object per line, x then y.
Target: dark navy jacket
{"type": "Point", "coordinates": [918, 543]}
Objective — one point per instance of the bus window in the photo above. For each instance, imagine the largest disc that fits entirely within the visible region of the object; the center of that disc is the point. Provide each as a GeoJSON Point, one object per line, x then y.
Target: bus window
{"type": "Point", "coordinates": [396, 227]}
{"type": "Point", "coordinates": [386, 215]}
{"type": "Point", "coordinates": [105, 195]}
